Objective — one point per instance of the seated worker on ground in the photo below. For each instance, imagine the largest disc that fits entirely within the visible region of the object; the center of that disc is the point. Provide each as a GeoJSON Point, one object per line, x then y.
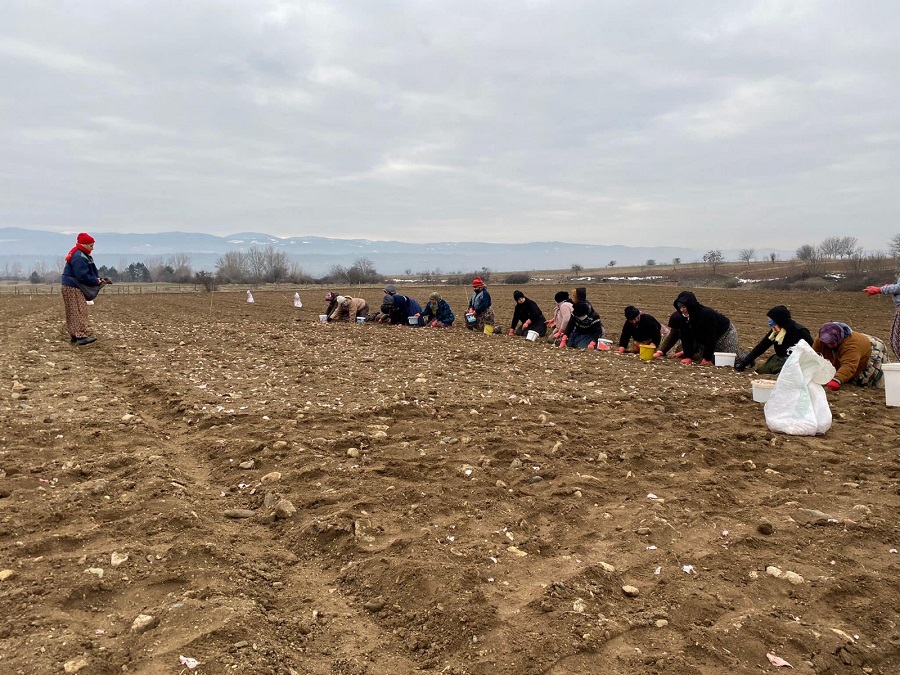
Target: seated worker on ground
{"type": "Point", "coordinates": [784, 334]}
{"type": "Point", "coordinates": [703, 330]}
{"type": "Point", "coordinates": [856, 357]}
{"type": "Point", "coordinates": [640, 327]}
{"type": "Point", "coordinates": [348, 308]}
{"type": "Point", "coordinates": [561, 317]}
{"type": "Point", "coordinates": [437, 312]}
{"type": "Point", "coordinates": [585, 327]}
{"type": "Point", "coordinates": [480, 313]}
{"type": "Point", "coordinates": [529, 315]}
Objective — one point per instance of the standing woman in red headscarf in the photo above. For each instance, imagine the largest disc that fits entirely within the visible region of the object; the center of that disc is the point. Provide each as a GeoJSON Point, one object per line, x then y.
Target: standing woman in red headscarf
{"type": "Point", "coordinates": [79, 283]}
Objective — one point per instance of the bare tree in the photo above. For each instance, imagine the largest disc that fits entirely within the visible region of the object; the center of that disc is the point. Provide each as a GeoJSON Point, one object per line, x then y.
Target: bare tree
{"type": "Point", "coordinates": [813, 257]}
{"type": "Point", "coordinates": [612, 263]}
{"type": "Point", "coordinates": [156, 265]}
{"type": "Point", "coordinates": [296, 275]}
{"type": "Point", "coordinates": [713, 258]}
{"type": "Point", "coordinates": [651, 262]}
{"type": "Point", "coordinates": [830, 247]}
{"type": "Point", "coordinates": [894, 246]}
{"type": "Point", "coordinates": [747, 255]}
{"type": "Point", "coordinates": [576, 269]}
{"type": "Point", "coordinates": [59, 264]}
{"type": "Point", "coordinates": [180, 263]}
{"type": "Point", "coordinates": [337, 273]}
{"type": "Point", "coordinates": [856, 262]}
{"type": "Point", "coordinates": [773, 256]}
{"type": "Point", "coordinates": [848, 246]}
{"type": "Point", "coordinates": [676, 261]}
{"type": "Point", "coordinates": [232, 267]}
{"type": "Point", "coordinates": [256, 264]}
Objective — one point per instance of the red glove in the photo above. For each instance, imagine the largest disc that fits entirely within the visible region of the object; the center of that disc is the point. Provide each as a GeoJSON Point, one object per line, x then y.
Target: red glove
{"type": "Point", "coordinates": [678, 355]}
{"type": "Point", "coordinates": [557, 335]}
{"type": "Point", "coordinates": [563, 341]}
{"type": "Point", "coordinates": [658, 355]}
{"type": "Point", "coordinates": [621, 350]}
{"type": "Point", "coordinates": [434, 323]}
{"type": "Point", "coordinates": [873, 290]}
{"type": "Point", "coordinates": [526, 324]}
{"type": "Point", "coordinates": [512, 332]}
{"type": "Point", "coordinates": [592, 345]}
{"type": "Point", "coordinates": [686, 362]}
{"type": "Point", "coordinates": [834, 385]}
{"type": "Point", "coordinates": [704, 362]}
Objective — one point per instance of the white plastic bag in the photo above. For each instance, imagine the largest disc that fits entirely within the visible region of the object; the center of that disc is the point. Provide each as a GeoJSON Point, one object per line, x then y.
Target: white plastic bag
{"type": "Point", "coordinates": [797, 404]}
{"type": "Point", "coordinates": [297, 302]}
{"type": "Point", "coordinates": [249, 296]}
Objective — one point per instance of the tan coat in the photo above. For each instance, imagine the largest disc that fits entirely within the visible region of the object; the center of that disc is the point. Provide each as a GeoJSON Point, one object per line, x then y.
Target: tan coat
{"type": "Point", "coordinates": [355, 307]}
{"type": "Point", "coordinates": [850, 358]}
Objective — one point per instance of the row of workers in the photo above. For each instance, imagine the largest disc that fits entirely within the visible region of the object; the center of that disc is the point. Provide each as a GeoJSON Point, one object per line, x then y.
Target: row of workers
{"type": "Point", "coordinates": [692, 333]}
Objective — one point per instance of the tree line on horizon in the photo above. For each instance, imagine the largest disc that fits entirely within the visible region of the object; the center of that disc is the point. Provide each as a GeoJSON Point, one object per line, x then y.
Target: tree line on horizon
{"type": "Point", "coordinates": [268, 265]}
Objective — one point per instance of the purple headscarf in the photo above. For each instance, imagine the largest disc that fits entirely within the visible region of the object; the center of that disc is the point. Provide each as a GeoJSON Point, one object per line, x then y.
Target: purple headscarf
{"type": "Point", "coordinates": [831, 333]}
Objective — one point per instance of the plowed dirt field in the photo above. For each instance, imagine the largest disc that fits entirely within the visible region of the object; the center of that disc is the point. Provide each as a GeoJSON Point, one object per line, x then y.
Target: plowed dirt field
{"type": "Point", "coordinates": [280, 496]}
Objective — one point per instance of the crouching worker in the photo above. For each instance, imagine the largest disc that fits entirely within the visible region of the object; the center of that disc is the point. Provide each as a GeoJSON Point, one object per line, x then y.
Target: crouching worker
{"type": "Point", "coordinates": [529, 315]}
{"type": "Point", "coordinates": [437, 312]}
{"type": "Point", "coordinates": [703, 330]}
{"type": "Point", "coordinates": [561, 317]}
{"type": "Point", "coordinates": [585, 327]}
{"type": "Point", "coordinates": [642, 328]}
{"type": "Point", "coordinates": [784, 334]}
{"type": "Point", "coordinates": [480, 312]}
{"type": "Point", "coordinates": [856, 357]}
{"type": "Point", "coordinates": [348, 308]}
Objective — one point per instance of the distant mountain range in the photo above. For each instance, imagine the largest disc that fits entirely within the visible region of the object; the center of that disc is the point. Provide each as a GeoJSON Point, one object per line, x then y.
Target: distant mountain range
{"type": "Point", "coordinates": [317, 255]}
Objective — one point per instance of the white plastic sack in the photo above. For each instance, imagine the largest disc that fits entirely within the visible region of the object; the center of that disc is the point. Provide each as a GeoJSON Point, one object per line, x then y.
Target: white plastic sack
{"type": "Point", "coordinates": [297, 302]}
{"type": "Point", "coordinates": [797, 404]}
{"type": "Point", "coordinates": [249, 296]}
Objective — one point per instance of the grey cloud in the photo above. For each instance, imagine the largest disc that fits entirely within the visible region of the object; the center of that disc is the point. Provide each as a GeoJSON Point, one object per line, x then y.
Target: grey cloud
{"type": "Point", "coordinates": [751, 124]}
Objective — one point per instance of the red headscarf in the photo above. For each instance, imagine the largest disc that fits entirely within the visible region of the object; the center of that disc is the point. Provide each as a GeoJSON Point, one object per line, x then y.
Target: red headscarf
{"type": "Point", "coordinates": [83, 239]}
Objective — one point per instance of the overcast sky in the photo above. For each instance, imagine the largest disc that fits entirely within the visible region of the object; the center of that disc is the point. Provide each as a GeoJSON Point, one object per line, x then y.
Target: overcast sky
{"type": "Point", "coordinates": [720, 124]}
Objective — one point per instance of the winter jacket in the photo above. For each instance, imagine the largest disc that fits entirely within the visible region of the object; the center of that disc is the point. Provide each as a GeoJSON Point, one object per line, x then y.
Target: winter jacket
{"type": "Point", "coordinates": [850, 357]}
{"type": "Point", "coordinates": [529, 311]}
{"type": "Point", "coordinates": [355, 307]}
{"type": "Point", "coordinates": [794, 333]}
{"type": "Point", "coordinates": [562, 314]}
{"type": "Point", "coordinates": [404, 307]}
{"type": "Point", "coordinates": [80, 266]}
{"type": "Point", "coordinates": [584, 320]}
{"type": "Point", "coordinates": [704, 326]}
{"type": "Point", "coordinates": [647, 329]}
{"type": "Point", "coordinates": [443, 314]}
{"type": "Point", "coordinates": [480, 301]}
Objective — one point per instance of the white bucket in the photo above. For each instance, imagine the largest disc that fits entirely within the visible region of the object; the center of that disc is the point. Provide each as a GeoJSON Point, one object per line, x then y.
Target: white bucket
{"type": "Point", "coordinates": [360, 319]}
{"type": "Point", "coordinates": [413, 320]}
{"type": "Point", "coordinates": [471, 318]}
{"type": "Point", "coordinates": [608, 343]}
{"type": "Point", "coordinates": [724, 358]}
{"type": "Point", "coordinates": [323, 318]}
{"type": "Point", "coordinates": [891, 383]}
{"type": "Point", "coordinates": [532, 335]}
{"type": "Point", "coordinates": [762, 389]}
